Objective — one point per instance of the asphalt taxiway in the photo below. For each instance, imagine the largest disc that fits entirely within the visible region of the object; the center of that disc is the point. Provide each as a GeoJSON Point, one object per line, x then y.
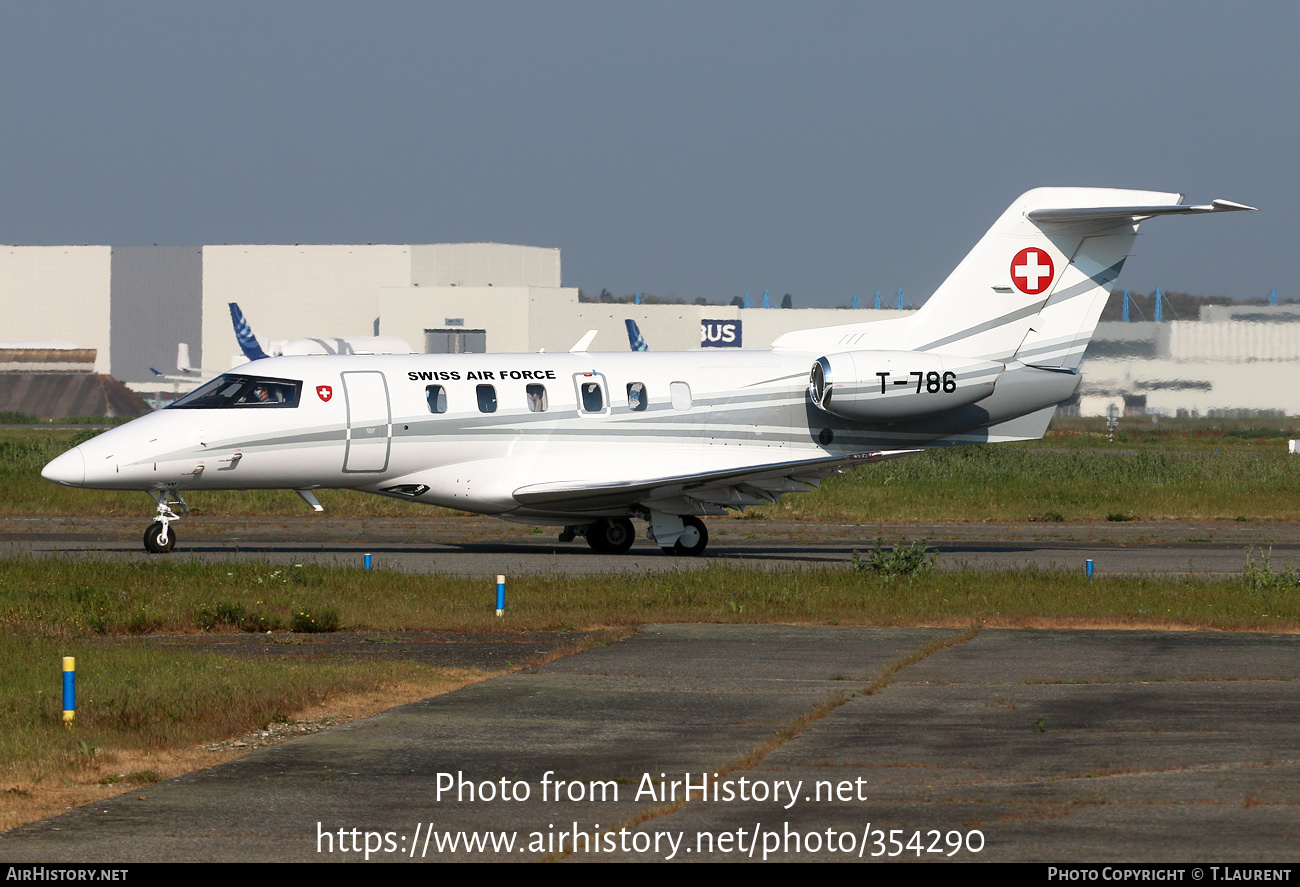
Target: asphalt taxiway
{"type": "Point", "coordinates": [467, 545]}
{"type": "Point", "coordinates": [835, 743]}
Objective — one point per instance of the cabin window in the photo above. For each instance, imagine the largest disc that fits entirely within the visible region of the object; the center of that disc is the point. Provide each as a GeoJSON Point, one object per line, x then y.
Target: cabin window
{"type": "Point", "coordinates": [590, 389]}
{"type": "Point", "coordinates": [593, 398]}
{"type": "Point", "coordinates": [636, 396]}
{"type": "Point", "coordinates": [238, 391]}
{"type": "Point", "coordinates": [681, 395]}
{"type": "Point", "coordinates": [436, 396]}
{"type": "Point", "coordinates": [537, 398]}
{"type": "Point", "coordinates": [487, 399]}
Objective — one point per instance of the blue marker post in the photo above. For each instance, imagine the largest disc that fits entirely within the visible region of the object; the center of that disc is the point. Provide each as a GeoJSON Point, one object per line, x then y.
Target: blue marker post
{"type": "Point", "coordinates": [1087, 568]}
{"type": "Point", "coordinates": [69, 689]}
{"type": "Point", "coordinates": [367, 562]}
{"type": "Point", "coordinates": [855, 301]}
{"type": "Point", "coordinates": [501, 595]}
{"type": "Point", "coordinates": [766, 298]}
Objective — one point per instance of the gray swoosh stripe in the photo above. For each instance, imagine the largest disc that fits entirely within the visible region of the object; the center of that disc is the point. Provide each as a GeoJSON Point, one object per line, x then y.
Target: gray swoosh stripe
{"type": "Point", "coordinates": [1078, 289]}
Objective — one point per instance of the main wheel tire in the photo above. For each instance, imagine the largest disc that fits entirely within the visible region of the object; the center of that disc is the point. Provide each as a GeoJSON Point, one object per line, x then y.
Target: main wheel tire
{"type": "Point", "coordinates": [153, 535]}
{"type": "Point", "coordinates": [611, 536]}
{"type": "Point", "coordinates": [693, 540]}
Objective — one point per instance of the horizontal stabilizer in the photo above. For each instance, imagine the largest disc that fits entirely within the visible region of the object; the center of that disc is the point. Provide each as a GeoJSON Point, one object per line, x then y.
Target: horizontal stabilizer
{"type": "Point", "coordinates": [1136, 213]}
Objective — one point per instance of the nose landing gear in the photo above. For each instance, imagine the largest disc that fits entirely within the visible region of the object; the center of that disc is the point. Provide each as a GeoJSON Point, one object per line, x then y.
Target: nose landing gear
{"type": "Point", "coordinates": [159, 538]}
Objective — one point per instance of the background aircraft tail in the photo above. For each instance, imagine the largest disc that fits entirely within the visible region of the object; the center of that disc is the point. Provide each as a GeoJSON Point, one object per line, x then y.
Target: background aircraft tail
{"type": "Point", "coordinates": [635, 340]}
{"type": "Point", "coordinates": [244, 335]}
{"type": "Point", "coordinates": [1031, 290]}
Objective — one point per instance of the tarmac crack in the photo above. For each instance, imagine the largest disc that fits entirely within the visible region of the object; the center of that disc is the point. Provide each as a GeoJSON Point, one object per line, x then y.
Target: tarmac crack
{"type": "Point", "coordinates": [796, 726]}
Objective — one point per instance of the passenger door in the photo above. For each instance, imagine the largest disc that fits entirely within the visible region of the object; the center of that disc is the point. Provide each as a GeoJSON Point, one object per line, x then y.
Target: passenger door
{"type": "Point", "coordinates": [370, 428]}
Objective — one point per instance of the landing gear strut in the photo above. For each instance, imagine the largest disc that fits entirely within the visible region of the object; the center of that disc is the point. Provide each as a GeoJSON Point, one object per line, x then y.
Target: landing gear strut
{"type": "Point", "coordinates": [160, 538]}
{"type": "Point", "coordinates": [684, 536]}
{"type": "Point", "coordinates": [692, 541]}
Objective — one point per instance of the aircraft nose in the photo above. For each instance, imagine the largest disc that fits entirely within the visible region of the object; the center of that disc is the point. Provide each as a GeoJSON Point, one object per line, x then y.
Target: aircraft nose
{"type": "Point", "coordinates": [68, 469]}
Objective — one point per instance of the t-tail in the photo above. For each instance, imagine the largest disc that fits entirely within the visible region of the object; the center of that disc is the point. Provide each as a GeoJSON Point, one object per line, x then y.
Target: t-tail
{"type": "Point", "coordinates": [1032, 289]}
{"type": "Point", "coordinates": [998, 345]}
{"type": "Point", "coordinates": [244, 335]}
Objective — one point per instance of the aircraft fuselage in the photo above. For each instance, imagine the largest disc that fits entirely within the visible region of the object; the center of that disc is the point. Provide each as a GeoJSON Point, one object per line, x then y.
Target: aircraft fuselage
{"type": "Point", "coordinates": [473, 428]}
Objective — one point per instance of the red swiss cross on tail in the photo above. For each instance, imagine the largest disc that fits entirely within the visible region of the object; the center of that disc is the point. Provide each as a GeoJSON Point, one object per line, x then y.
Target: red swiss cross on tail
{"type": "Point", "coordinates": [1032, 270]}
{"type": "Point", "coordinates": [324, 392]}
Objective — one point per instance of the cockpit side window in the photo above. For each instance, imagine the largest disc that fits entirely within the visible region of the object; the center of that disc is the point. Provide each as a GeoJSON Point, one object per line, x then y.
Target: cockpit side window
{"type": "Point", "coordinates": [436, 396]}
{"type": "Point", "coordinates": [232, 391]}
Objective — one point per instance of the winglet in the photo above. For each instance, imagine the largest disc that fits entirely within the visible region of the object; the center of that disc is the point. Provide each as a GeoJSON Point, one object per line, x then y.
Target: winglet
{"type": "Point", "coordinates": [583, 343]}
{"type": "Point", "coordinates": [244, 335]}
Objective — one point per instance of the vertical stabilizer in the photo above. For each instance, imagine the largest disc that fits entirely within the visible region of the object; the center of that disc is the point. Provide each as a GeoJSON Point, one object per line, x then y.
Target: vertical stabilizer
{"type": "Point", "coordinates": [634, 338]}
{"type": "Point", "coordinates": [1032, 289]}
{"type": "Point", "coordinates": [1030, 285]}
{"type": "Point", "coordinates": [244, 334]}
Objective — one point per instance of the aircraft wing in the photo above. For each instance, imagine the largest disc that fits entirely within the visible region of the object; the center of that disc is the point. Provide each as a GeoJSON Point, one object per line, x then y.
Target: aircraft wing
{"type": "Point", "coordinates": [751, 485]}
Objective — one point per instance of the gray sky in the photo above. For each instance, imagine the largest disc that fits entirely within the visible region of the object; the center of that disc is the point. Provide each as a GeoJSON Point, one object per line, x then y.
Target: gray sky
{"type": "Point", "coordinates": [696, 149]}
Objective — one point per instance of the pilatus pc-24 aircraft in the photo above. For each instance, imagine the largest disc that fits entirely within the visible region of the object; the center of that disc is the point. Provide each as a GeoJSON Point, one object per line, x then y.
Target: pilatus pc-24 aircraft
{"type": "Point", "coordinates": [590, 441]}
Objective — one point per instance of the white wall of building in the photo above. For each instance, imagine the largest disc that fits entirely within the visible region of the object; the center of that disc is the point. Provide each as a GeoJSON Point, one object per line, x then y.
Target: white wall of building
{"type": "Point", "coordinates": [58, 293]}
{"type": "Point", "coordinates": [503, 311]}
{"type": "Point", "coordinates": [291, 292]}
{"type": "Point", "coordinates": [484, 264]}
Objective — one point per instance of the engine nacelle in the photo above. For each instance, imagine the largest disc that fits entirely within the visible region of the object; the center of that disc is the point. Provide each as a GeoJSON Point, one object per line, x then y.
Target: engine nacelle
{"type": "Point", "coordinates": [890, 386]}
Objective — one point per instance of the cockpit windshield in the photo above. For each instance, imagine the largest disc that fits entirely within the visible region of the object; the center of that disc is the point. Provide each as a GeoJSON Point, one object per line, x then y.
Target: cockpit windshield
{"type": "Point", "coordinates": [231, 391]}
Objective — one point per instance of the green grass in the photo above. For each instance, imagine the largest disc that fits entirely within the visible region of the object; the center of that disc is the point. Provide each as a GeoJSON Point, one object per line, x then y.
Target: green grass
{"type": "Point", "coordinates": [53, 598]}
{"type": "Point", "coordinates": [1066, 477]}
{"type": "Point", "coordinates": [10, 417]}
{"type": "Point", "coordinates": [131, 698]}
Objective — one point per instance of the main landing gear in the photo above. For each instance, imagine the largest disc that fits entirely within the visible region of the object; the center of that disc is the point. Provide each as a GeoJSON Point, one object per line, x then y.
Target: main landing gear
{"type": "Point", "coordinates": [692, 541]}
{"type": "Point", "coordinates": [679, 536]}
{"type": "Point", "coordinates": [160, 538]}
{"type": "Point", "coordinates": [611, 536]}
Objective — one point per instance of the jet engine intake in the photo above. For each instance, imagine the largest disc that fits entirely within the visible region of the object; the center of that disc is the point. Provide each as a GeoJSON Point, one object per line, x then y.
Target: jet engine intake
{"type": "Point", "coordinates": [890, 386]}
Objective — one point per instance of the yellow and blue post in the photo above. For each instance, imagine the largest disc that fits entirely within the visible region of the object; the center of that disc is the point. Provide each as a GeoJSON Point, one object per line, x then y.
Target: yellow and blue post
{"type": "Point", "coordinates": [501, 595]}
{"type": "Point", "coordinates": [69, 689]}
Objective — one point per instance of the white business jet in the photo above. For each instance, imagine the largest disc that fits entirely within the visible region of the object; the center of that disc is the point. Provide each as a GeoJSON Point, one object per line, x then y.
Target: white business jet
{"type": "Point", "coordinates": [589, 441]}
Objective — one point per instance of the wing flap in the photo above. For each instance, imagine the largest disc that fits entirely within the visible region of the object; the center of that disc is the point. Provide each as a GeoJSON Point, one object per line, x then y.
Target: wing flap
{"type": "Point", "coordinates": [734, 487]}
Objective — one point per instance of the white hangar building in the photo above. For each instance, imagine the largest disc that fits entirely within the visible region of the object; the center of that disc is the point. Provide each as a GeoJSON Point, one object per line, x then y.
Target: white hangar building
{"type": "Point", "coordinates": [134, 304]}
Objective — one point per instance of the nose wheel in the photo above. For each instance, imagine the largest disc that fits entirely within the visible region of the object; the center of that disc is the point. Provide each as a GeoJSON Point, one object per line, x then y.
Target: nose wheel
{"type": "Point", "coordinates": [160, 538]}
